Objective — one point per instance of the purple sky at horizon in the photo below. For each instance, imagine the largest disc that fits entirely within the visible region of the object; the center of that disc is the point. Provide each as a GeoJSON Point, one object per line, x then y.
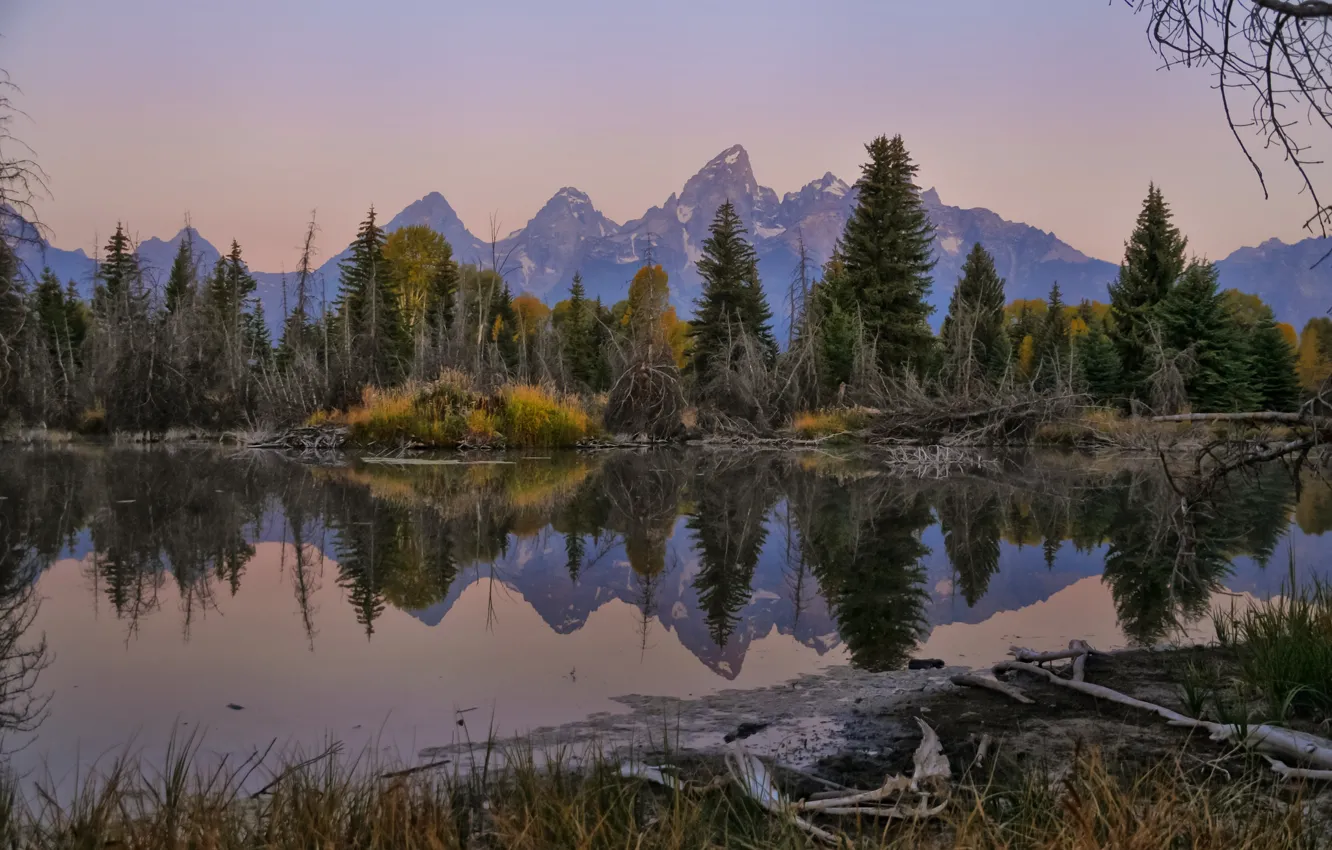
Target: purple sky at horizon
{"type": "Point", "coordinates": [1046, 111]}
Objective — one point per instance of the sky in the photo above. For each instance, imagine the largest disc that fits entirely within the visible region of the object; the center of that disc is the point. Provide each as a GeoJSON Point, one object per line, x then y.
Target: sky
{"type": "Point", "coordinates": [249, 115]}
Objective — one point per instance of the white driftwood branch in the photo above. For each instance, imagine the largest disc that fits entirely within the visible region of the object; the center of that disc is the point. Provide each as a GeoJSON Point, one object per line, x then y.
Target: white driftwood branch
{"type": "Point", "coordinates": [1080, 663]}
{"type": "Point", "coordinates": [976, 681]}
{"type": "Point", "coordinates": [1021, 653]}
{"type": "Point", "coordinates": [1287, 772]}
{"type": "Point", "coordinates": [1264, 739]}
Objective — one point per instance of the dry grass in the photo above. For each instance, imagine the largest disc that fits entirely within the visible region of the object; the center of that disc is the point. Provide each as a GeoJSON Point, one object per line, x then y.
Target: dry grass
{"type": "Point", "coordinates": [448, 412]}
{"type": "Point", "coordinates": [519, 797]}
{"type": "Point", "coordinates": [811, 425]}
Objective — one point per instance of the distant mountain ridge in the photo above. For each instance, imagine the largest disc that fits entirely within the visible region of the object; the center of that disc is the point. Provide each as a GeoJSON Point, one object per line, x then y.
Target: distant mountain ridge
{"type": "Point", "coordinates": [569, 234]}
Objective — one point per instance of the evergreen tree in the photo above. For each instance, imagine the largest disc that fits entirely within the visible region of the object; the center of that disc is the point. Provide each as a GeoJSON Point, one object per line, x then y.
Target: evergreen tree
{"type": "Point", "coordinates": [974, 330]}
{"type": "Point", "coordinates": [1193, 316]}
{"type": "Point", "coordinates": [838, 326]}
{"type": "Point", "coordinates": [578, 334]}
{"type": "Point", "coordinates": [732, 300]}
{"type": "Point", "coordinates": [1097, 363]}
{"type": "Point", "coordinates": [886, 252]}
{"type": "Point", "coordinates": [1052, 341]}
{"type": "Point", "coordinates": [1153, 261]}
{"type": "Point", "coordinates": [1273, 363]}
{"type": "Point", "coordinates": [258, 339]}
{"type": "Point", "coordinates": [118, 275]}
{"type": "Point", "coordinates": [180, 281]}
{"type": "Point", "coordinates": [371, 323]}
{"type": "Point", "coordinates": [229, 291]}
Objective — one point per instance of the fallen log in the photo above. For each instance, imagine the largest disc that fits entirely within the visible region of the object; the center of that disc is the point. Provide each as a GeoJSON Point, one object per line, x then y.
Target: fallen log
{"type": "Point", "coordinates": [1020, 653]}
{"type": "Point", "coordinates": [974, 681]}
{"type": "Point", "coordinates": [1255, 416]}
{"type": "Point", "coordinates": [1264, 739]}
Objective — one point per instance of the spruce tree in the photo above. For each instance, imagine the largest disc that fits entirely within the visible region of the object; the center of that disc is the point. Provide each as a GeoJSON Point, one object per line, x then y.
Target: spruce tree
{"type": "Point", "coordinates": [118, 275]}
{"type": "Point", "coordinates": [732, 301]}
{"type": "Point", "coordinates": [53, 315]}
{"type": "Point", "coordinates": [229, 291]}
{"type": "Point", "coordinates": [974, 330]}
{"type": "Point", "coordinates": [1097, 363]}
{"type": "Point", "coordinates": [886, 254]}
{"type": "Point", "coordinates": [371, 322]}
{"type": "Point", "coordinates": [1153, 262]}
{"type": "Point", "coordinates": [180, 281]}
{"type": "Point", "coordinates": [577, 334]}
{"type": "Point", "coordinates": [1194, 316]}
{"type": "Point", "coordinates": [1052, 341]}
{"type": "Point", "coordinates": [1273, 363]}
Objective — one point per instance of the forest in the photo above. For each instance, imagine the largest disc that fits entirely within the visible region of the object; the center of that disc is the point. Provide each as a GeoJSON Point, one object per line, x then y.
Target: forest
{"type": "Point", "coordinates": [419, 349]}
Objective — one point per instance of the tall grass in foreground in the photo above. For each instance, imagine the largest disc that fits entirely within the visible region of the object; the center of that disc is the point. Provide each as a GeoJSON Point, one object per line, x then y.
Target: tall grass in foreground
{"type": "Point", "coordinates": [552, 799]}
{"type": "Point", "coordinates": [1285, 647]}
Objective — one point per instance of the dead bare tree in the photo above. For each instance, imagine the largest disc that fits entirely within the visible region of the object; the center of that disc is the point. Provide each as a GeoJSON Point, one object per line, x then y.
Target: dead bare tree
{"type": "Point", "coordinates": [22, 180]}
{"type": "Point", "coordinates": [1276, 55]}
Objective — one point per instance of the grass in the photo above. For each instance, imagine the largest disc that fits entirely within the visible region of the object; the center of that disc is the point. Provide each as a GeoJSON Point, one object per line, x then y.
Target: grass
{"type": "Point", "coordinates": [1285, 648]}
{"type": "Point", "coordinates": [521, 797]}
{"type": "Point", "coordinates": [449, 412]}
{"type": "Point", "coordinates": [814, 424]}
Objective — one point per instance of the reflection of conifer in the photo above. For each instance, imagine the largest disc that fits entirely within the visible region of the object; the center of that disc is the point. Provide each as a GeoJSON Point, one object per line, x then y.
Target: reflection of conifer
{"type": "Point", "coordinates": [1163, 563]}
{"type": "Point", "coordinates": [870, 571]}
{"type": "Point", "coordinates": [728, 527]}
{"type": "Point", "coordinates": [972, 523]}
{"type": "Point", "coordinates": [574, 548]}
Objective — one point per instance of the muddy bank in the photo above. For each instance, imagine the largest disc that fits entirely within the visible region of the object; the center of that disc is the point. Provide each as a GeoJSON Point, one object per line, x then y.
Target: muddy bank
{"type": "Point", "coordinates": [855, 727]}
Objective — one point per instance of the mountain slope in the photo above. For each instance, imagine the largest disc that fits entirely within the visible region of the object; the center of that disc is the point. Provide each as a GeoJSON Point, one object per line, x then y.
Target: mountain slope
{"type": "Point", "coordinates": [1285, 276]}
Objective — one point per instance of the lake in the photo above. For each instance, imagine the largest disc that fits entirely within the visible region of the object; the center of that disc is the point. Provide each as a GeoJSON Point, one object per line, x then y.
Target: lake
{"type": "Point", "coordinates": [262, 598]}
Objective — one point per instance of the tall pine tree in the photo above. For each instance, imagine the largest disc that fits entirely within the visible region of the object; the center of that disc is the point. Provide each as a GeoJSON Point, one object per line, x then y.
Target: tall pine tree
{"type": "Point", "coordinates": [371, 323]}
{"type": "Point", "coordinates": [886, 257]}
{"type": "Point", "coordinates": [181, 279]}
{"type": "Point", "coordinates": [118, 275]}
{"type": "Point", "coordinates": [732, 301]}
{"type": "Point", "coordinates": [577, 335]}
{"type": "Point", "coordinates": [1153, 261]}
{"type": "Point", "coordinates": [1052, 341]}
{"type": "Point", "coordinates": [975, 340]}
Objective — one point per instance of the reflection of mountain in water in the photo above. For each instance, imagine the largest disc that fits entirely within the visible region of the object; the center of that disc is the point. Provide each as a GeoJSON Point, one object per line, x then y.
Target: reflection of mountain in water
{"type": "Point", "coordinates": [718, 549]}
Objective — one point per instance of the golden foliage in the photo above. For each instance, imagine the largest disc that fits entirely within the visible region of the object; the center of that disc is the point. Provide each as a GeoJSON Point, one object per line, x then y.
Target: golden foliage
{"type": "Point", "coordinates": [531, 314]}
{"type": "Point", "coordinates": [414, 254]}
{"type": "Point", "coordinates": [1027, 355]}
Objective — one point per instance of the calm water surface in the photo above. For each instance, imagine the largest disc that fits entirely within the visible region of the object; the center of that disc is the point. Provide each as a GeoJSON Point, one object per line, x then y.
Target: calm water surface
{"type": "Point", "coordinates": [372, 602]}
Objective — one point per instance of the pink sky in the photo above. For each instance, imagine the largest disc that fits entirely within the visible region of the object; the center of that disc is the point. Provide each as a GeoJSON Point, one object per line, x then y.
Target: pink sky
{"type": "Point", "coordinates": [1045, 111]}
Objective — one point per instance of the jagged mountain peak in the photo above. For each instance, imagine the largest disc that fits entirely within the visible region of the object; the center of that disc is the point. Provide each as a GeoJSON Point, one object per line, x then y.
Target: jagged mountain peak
{"type": "Point", "coordinates": [930, 198]}
{"type": "Point", "coordinates": [571, 195]}
{"type": "Point", "coordinates": [733, 157]}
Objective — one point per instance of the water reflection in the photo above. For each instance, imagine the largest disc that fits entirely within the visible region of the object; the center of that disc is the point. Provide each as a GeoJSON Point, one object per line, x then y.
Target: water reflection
{"type": "Point", "coordinates": [712, 552]}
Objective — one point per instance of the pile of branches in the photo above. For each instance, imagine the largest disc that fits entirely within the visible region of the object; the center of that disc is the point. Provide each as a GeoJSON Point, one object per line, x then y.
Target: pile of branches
{"type": "Point", "coordinates": [740, 395]}
{"type": "Point", "coordinates": [1001, 417]}
{"type": "Point", "coordinates": [306, 439]}
{"type": "Point", "coordinates": [646, 397]}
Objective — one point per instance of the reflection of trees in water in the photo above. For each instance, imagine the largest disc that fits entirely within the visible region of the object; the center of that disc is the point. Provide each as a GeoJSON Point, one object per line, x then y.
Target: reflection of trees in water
{"type": "Point", "coordinates": [972, 522]}
{"type": "Point", "coordinates": [401, 536]}
{"type": "Point", "coordinates": [642, 497]}
{"type": "Point", "coordinates": [585, 515]}
{"type": "Point", "coordinates": [1168, 553]}
{"type": "Point", "coordinates": [733, 496]}
{"type": "Point", "coordinates": [862, 540]}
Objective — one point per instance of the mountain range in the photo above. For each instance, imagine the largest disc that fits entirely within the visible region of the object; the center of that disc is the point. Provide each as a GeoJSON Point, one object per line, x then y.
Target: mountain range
{"type": "Point", "coordinates": [570, 234]}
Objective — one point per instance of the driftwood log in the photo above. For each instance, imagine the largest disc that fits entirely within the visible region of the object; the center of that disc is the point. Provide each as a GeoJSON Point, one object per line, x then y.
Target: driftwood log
{"type": "Point", "coordinates": [1271, 741]}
